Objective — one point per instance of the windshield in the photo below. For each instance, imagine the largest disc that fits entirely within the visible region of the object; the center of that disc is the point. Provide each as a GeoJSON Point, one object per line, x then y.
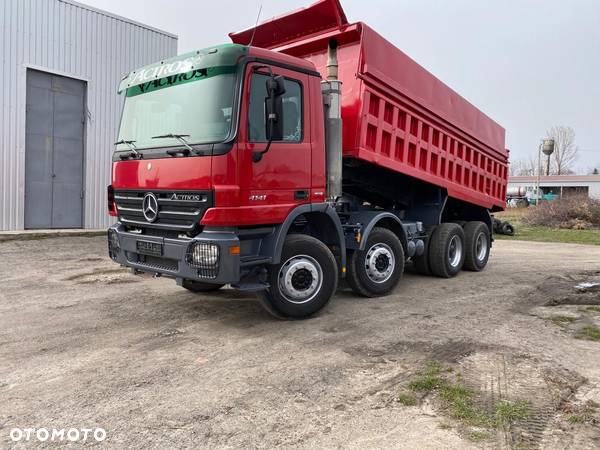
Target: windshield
{"type": "Point", "coordinates": [196, 104]}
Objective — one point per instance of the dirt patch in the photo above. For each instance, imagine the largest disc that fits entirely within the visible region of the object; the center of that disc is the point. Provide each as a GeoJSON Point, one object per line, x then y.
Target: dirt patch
{"type": "Point", "coordinates": [576, 289]}
{"type": "Point", "coordinates": [103, 276]}
{"type": "Point", "coordinates": [507, 398]}
{"type": "Point", "coordinates": [160, 367]}
{"type": "Point", "coordinates": [570, 303]}
{"type": "Point", "coordinates": [499, 377]}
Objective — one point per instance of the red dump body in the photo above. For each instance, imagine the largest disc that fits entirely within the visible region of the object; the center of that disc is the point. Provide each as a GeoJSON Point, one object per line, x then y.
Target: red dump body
{"type": "Point", "coordinates": [395, 113]}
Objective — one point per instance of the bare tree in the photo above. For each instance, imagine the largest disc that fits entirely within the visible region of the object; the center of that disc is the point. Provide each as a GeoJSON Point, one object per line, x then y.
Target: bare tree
{"type": "Point", "coordinates": [565, 150]}
{"type": "Point", "coordinates": [523, 167]}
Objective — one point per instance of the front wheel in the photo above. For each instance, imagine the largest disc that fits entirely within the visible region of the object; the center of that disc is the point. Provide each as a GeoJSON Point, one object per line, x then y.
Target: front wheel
{"type": "Point", "coordinates": [305, 279]}
{"type": "Point", "coordinates": [377, 269]}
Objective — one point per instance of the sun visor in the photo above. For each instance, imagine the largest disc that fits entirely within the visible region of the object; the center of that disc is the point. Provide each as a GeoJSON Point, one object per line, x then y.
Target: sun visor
{"type": "Point", "coordinates": [222, 55]}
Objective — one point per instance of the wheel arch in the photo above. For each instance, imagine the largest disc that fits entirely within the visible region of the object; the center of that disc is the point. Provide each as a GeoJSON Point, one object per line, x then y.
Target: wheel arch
{"type": "Point", "coordinates": [456, 210]}
{"type": "Point", "coordinates": [323, 223]}
{"type": "Point", "coordinates": [373, 219]}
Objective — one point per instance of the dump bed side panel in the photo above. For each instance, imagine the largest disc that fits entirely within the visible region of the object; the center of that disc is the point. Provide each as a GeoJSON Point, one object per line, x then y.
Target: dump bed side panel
{"type": "Point", "coordinates": [396, 136]}
{"type": "Point", "coordinates": [384, 126]}
{"type": "Point", "coordinates": [384, 62]}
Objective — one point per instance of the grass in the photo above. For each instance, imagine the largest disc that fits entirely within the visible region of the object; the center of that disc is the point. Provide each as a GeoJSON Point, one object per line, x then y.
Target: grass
{"type": "Point", "coordinates": [579, 418]}
{"type": "Point", "coordinates": [458, 400]}
{"type": "Point", "coordinates": [477, 435]}
{"type": "Point", "coordinates": [593, 309]}
{"type": "Point", "coordinates": [406, 399]}
{"type": "Point", "coordinates": [544, 234]}
{"type": "Point", "coordinates": [429, 380]}
{"type": "Point", "coordinates": [562, 321]}
{"type": "Point", "coordinates": [590, 332]}
{"type": "Point", "coordinates": [511, 412]}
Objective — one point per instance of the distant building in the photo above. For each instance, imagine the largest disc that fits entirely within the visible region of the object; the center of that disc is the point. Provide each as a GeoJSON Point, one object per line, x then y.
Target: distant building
{"type": "Point", "coordinates": [559, 185]}
{"type": "Point", "coordinates": [62, 62]}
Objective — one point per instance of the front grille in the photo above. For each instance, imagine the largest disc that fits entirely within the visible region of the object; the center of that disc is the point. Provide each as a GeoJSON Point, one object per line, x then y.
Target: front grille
{"type": "Point", "coordinates": [177, 210]}
{"type": "Point", "coordinates": [153, 262]}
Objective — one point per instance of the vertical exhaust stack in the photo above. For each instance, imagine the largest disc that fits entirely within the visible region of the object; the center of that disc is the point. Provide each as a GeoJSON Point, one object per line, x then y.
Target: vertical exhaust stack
{"type": "Point", "coordinates": [332, 62]}
{"type": "Point", "coordinates": [332, 93]}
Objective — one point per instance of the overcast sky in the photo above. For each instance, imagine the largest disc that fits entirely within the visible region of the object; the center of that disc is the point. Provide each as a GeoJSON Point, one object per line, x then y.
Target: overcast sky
{"type": "Point", "coordinates": [529, 64]}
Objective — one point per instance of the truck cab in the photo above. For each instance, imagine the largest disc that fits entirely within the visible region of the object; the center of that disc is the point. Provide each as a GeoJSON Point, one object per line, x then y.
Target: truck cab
{"type": "Point", "coordinates": [200, 187]}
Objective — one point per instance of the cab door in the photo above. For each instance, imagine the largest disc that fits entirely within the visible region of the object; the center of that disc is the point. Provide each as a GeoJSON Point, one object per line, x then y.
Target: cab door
{"type": "Point", "coordinates": [282, 178]}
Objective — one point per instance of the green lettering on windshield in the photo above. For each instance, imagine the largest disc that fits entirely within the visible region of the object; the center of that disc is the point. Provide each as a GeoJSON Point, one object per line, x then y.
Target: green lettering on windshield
{"type": "Point", "coordinates": [177, 79]}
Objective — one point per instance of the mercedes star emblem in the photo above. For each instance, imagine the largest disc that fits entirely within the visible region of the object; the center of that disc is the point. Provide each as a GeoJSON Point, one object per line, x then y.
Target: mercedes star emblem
{"type": "Point", "coordinates": [150, 207]}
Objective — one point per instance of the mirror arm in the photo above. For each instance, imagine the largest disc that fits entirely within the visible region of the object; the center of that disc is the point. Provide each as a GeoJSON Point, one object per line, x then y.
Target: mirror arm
{"type": "Point", "coordinates": [257, 156]}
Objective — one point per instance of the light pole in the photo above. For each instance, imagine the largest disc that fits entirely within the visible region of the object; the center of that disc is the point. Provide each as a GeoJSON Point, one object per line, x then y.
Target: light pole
{"type": "Point", "coordinates": [546, 146]}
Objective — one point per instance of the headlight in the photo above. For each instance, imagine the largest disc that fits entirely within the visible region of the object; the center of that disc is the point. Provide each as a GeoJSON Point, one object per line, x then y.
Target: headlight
{"type": "Point", "coordinates": [114, 247]}
{"type": "Point", "coordinates": [203, 255]}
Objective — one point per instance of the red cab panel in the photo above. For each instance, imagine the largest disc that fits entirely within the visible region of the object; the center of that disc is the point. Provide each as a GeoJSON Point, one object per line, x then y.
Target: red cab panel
{"type": "Point", "coordinates": [191, 173]}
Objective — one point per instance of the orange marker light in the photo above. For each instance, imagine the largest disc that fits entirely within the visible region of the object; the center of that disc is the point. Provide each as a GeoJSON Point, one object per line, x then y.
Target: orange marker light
{"type": "Point", "coordinates": [234, 250]}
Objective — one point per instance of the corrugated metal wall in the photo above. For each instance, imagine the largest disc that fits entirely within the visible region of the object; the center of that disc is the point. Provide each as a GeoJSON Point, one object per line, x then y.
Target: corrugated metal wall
{"type": "Point", "coordinates": [71, 39]}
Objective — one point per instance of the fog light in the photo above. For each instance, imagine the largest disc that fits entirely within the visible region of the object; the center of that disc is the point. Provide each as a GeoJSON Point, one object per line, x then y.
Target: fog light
{"type": "Point", "coordinates": [203, 255]}
{"type": "Point", "coordinates": [114, 247]}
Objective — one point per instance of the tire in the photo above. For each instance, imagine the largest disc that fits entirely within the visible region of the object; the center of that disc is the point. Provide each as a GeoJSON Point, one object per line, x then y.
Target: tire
{"type": "Point", "coordinates": [199, 286]}
{"type": "Point", "coordinates": [507, 229]}
{"type": "Point", "coordinates": [446, 250]}
{"type": "Point", "coordinates": [477, 246]}
{"type": "Point", "coordinates": [376, 270]}
{"type": "Point", "coordinates": [305, 279]}
{"type": "Point", "coordinates": [421, 263]}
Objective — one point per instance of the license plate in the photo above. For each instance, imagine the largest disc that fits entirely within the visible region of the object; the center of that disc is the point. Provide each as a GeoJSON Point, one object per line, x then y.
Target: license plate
{"type": "Point", "coordinates": [149, 248]}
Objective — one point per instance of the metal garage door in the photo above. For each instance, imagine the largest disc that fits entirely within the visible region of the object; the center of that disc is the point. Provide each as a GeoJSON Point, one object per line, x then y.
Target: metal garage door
{"type": "Point", "coordinates": [54, 151]}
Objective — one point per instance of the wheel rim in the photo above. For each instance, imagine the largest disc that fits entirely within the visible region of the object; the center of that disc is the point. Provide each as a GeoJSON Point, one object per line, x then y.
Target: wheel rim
{"type": "Point", "coordinates": [455, 251]}
{"type": "Point", "coordinates": [481, 246]}
{"type": "Point", "coordinates": [300, 279]}
{"type": "Point", "coordinates": [380, 263]}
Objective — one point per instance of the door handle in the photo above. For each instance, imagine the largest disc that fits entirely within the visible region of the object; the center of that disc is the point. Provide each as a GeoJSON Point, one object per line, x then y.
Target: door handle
{"type": "Point", "coordinates": [300, 195]}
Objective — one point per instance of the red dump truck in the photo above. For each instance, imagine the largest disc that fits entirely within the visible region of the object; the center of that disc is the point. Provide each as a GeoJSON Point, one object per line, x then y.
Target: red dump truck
{"type": "Point", "coordinates": [308, 150]}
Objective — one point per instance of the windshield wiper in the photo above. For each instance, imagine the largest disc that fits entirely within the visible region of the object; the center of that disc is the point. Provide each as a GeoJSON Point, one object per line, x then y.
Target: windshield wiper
{"type": "Point", "coordinates": [131, 145]}
{"type": "Point", "coordinates": [180, 138]}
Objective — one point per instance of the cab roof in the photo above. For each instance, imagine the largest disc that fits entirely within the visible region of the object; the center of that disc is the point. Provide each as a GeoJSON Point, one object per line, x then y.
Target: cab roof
{"type": "Point", "coordinates": [220, 55]}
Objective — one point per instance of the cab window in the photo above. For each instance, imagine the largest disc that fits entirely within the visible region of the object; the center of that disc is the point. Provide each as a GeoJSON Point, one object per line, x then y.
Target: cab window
{"type": "Point", "coordinates": [292, 110]}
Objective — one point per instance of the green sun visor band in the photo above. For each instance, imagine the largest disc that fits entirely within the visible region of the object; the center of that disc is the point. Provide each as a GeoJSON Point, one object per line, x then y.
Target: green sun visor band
{"type": "Point", "coordinates": [180, 78]}
{"type": "Point", "coordinates": [213, 57]}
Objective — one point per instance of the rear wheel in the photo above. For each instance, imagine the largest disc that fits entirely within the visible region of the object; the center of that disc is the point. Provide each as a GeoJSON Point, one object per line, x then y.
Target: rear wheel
{"type": "Point", "coordinates": [446, 250]}
{"type": "Point", "coordinates": [377, 269]}
{"type": "Point", "coordinates": [198, 286]}
{"type": "Point", "coordinates": [477, 245]}
{"type": "Point", "coordinates": [304, 281]}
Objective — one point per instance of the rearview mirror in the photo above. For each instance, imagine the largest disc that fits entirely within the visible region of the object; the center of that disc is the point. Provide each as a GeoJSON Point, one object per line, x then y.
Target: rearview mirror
{"type": "Point", "coordinates": [274, 108]}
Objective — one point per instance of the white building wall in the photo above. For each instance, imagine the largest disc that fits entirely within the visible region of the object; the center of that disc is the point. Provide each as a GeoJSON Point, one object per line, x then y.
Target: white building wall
{"type": "Point", "coordinates": [75, 40]}
{"type": "Point", "coordinates": [593, 186]}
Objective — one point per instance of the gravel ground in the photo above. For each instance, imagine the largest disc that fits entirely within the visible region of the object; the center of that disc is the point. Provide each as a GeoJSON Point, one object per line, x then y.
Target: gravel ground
{"type": "Point", "coordinates": [85, 344]}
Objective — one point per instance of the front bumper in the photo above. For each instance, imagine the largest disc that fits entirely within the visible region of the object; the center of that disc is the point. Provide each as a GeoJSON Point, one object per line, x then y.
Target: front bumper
{"type": "Point", "coordinates": [173, 262]}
